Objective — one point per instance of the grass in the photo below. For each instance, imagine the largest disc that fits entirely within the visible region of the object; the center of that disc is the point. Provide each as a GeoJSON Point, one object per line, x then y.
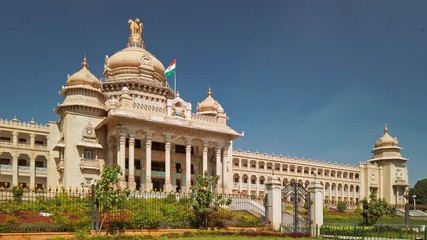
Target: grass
{"type": "Point", "coordinates": [355, 219]}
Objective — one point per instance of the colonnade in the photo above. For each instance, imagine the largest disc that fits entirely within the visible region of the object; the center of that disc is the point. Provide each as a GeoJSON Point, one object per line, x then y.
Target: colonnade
{"type": "Point", "coordinates": [221, 158]}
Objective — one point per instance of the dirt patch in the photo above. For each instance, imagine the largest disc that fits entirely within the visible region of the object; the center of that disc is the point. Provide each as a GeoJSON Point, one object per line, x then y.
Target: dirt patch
{"type": "Point", "coordinates": [25, 217]}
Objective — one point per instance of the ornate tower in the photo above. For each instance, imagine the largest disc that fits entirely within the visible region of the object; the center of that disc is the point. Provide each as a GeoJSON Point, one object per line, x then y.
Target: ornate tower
{"type": "Point", "coordinates": [83, 108]}
{"type": "Point", "coordinates": [385, 173]}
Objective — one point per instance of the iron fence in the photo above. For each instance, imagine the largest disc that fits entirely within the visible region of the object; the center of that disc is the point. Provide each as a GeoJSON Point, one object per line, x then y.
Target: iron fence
{"type": "Point", "coordinates": [372, 232]}
{"type": "Point", "coordinates": [73, 209]}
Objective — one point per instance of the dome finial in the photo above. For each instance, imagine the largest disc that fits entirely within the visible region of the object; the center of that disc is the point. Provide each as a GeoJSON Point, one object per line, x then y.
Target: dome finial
{"type": "Point", "coordinates": [209, 92]}
{"type": "Point", "coordinates": [84, 63]}
{"type": "Point", "coordinates": [136, 28]}
{"type": "Point", "coordinates": [385, 129]}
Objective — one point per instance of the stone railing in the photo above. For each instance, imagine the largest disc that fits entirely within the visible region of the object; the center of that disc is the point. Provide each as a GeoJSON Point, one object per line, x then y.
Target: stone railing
{"type": "Point", "coordinates": [6, 167]}
{"type": "Point", "coordinates": [16, 122]}
{"type": "Point", "coordinates": [24, 168]}
{"type": "Point", "coordinates": [3, 142]}
{"type": "Point", "coordinates": [205, 119]}
{"type": "Point", "coordinates": [40, 146]}
{"type": "Point", "coordinates": [89, 164]}
{"type": "Point", "coordinates": [316, 163]}
{"type": "Point", "coordinates": [41, 170]}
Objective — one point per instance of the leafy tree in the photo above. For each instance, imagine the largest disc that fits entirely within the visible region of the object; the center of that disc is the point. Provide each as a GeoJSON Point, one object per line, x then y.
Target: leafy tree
{"type": "Point", "coordinates": [420, 190]}
{"type": "Point", "coordinates": [342, 206]}
{"type": "Point", "coordinates": [108, 193]}
{"type": "Point", "coordinates": [18, 193]}
{"type": "Point", "coordinates": [374, 209]}
{"type": "Point", "coordinates": [204, 201]}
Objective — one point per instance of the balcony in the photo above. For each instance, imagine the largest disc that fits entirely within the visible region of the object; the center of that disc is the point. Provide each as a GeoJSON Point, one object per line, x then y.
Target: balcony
{"type": "Point", "coordinates": [7, 143]}
{"type": "Point", "coordinates": [41, 171]}
{"type": "Point", "coordinates": [6, 169]}
{"type": "Point", "coordinates": [90, 164]}
{"type": "Point", "coordinates": [40, 146]}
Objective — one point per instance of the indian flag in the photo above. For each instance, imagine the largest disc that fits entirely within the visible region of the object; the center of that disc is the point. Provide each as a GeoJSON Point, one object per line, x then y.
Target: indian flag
{"type": "Point", "coordinates": [171, 69]}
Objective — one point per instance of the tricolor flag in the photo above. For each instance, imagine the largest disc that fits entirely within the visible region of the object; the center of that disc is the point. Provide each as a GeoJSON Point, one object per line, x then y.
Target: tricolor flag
{"type": "Point", "coordinates": [171, 69]}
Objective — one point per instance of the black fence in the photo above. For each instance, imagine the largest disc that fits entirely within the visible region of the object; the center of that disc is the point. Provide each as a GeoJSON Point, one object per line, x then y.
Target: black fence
{"type": "Point", "coordinates": [76, 209]}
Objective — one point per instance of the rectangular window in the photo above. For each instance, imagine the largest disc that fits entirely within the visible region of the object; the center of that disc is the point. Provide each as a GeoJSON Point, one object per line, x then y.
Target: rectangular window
{"type": "Point", "coordinates": [158, 166]}
{"type": "Point", "coordinates": [89, 154]}
{"type": "Point", "coordinates": [158, 146]}
{"type": "Point", "coordinates": [179, 149]}
{"type": "Point", "coordinates": [253, 181]}
{"type": "Point", "coordinates": [22, 162]}
{"type": "Point", "coordinates": [4, 161]}
{"type": "Point", "coordinates": [137, 143]}
{"type": "Point", "coordinates": [178, 167]}
{"type": "Point", "coordinates": [137, 164]}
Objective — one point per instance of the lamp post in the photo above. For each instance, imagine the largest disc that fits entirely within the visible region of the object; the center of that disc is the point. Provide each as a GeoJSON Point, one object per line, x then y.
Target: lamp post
{"type": "Point", "coordinates": [407, 196]}
{"type": "Point", "coordinates": [414, 196]}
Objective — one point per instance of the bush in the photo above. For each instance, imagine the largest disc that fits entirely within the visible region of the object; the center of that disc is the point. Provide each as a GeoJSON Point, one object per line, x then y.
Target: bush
{"type": "Point", "coordinates": [342, 206]}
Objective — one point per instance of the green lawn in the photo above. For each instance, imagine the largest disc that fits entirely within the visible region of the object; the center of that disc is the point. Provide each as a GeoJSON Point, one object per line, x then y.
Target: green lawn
{"type": "Point", "coordinates": [193, 237]}
{"type": "Point", "coordinates": [354, 219]}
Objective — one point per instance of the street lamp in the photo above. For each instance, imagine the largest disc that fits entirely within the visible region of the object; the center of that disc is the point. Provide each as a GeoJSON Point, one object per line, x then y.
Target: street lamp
{"type": "Point", "coordinates": [414, 196]}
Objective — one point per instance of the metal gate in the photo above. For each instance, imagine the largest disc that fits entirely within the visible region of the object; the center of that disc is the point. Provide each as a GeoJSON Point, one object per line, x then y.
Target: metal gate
{"type": "Point", "coordinates": [294, 195]}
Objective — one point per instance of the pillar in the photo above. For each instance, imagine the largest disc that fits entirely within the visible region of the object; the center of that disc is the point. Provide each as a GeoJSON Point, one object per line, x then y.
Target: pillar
{"type": "Point", "coordinates": [14, 169]}
{"type": "Point", "coordinates": [32, 171]}
{"type": "Point", "coordinates": [225, 174]}
{"type": "Point", "coordinates": [122, 158]}
{"type": "Point", "coordinates": [187, 165]}
{"type": "Point", "coordinates": [131, 177]}
{"type": "Point", "coordinates": [110, 153]}
{"type": "Point", "coordinates": [168, 186]}
{"type": "Point", "coordinates": [240, 182]}
{"type": "Point", "coordinates": [218, 170]}
{"type": "Point", "coordinates": [32, 141]}
{"type": "Point", "coordinates": [274, 202]}
{"type": "Point", "coordinates": [205, 157]}
{"type": "Point", "coordinates": [15, 138]}
{"type": "Point", "coordinates": [148, 182]}
{"type": "Point", "coordinates": [316, 207]}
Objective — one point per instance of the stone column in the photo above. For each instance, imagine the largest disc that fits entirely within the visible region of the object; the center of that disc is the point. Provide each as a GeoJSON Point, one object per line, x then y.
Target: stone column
{"type": "Point", "coordinates": [168, 185]}
{"type": "Point", "coordinates": [188, 164]}
{"type": "Point", "coordinates": [218, 169]}
{"type": "Point", "coordinates": [148, 182]}
{"type": "Point", "coordinates": [274, 202]}
{"type": "Point", "coordinates": [32, 141]}
{"type": "Point", "coordinates": [131, 177]}
{"type": "Point", "coordinates": [110, 153]}
{"type": "Point", "coordinates": [316, 206]}
{"type": "Point", "coordinates": [240, 182]}
{"type": "Point", "coordinates": [225, 170]}
{"type": "Point", "coordinates": [15, 138]}
{"type": "Point", "coordinates": [122, 159]}
{"type": "Point", "coordinates": [14, 169]}
{"type": "Point", "coordinates": [205, 157]}
{"type": "Point", "coordinates": [257, 186]}
{"type": "Point", "coordinates": [32, 171]}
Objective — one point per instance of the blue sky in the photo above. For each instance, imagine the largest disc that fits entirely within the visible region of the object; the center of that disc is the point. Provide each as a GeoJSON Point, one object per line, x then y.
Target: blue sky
{"type": "Point", "coordinates": [313, 79]}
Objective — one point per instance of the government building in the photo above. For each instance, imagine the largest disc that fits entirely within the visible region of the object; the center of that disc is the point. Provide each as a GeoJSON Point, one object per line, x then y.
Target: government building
{"type": "Point", "coordinates": [134, 119]}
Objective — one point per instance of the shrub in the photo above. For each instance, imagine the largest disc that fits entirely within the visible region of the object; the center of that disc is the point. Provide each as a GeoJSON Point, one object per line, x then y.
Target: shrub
{"type": "Point", "coordinates": [342, 206]}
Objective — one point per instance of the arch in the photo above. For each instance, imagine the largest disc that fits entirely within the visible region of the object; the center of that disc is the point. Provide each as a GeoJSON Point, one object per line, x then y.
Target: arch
{"type": "Point", "coordinates": [253, 179]}
{"type": "Point", "coordinates": [236, 162]}
{"type": "Point", "coordinates": [262, 180]}
{"type": "Point", "coordinates": [245, 178]}
{"type": "Point", "coordinates": [327, 186]}
{"type": "Point", "coordinates": [261, 165]}
{"type": "Point", "coordinates": [253, 164]}
{"type": "Point", "coordinates": [285, 181]}
{"type": "Point", "coordinates": [236, 178]}
{"type": "Point", "coordinates": [306, 183]}
{"type": "Point", "coordinates": [284, 167]}
{"type": "Point", "coordinates": [333, 186]}
{"type": "Point", "coordinates": [357, 188]}
{"type": "Point", "coordinates": [6, 158]}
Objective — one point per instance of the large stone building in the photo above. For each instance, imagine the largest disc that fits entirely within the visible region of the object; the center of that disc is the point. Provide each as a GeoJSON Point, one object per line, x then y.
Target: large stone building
{"type": "Point", "coordinates": [133, 118]}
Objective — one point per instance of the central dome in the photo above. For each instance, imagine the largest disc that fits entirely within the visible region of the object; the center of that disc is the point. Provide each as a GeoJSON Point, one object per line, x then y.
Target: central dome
{"type": "Point", "coordinates": [135, 57]}
{"type": "Point", "coordinates": [134, 63]}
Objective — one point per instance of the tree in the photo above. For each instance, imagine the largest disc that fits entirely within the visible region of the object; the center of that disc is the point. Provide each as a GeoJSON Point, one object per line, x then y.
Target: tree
{"type": "Point", "coordinates": [342, 206]}
{"type": "Point", "coordinates": [374, 209]}
{"type": "Point", "coordinates": [204, 201]}
{"type": "Point", "coordinates": [108, 193]}
{"type": "Point", "coordinates": [420, 190]}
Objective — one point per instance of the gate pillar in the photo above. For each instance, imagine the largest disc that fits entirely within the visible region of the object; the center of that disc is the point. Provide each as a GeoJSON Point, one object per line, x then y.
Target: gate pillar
{"type": "Point", "coordinates": [274, 202]}
{"type": "Point", "coordinates": [316, 205]}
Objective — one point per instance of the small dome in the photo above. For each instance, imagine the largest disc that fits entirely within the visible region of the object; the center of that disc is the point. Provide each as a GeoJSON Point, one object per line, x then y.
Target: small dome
{"type": "Point", "coordinates": [209, 106]}
{"type": "Point", "coordinates": [135, 57]}
{"type": "Point", "coordinates": [386, 140]}
{"type": "Point", "coordinates": [84, 77]}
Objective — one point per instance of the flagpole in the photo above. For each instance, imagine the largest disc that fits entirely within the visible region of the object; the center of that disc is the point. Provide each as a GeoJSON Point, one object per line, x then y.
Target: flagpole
{"type": "Point", "coordinates": [174, 80]}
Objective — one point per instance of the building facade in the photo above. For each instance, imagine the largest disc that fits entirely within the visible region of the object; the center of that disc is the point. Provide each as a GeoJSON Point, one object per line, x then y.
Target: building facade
{"type": "Point", "coordinates": [134, 119]}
